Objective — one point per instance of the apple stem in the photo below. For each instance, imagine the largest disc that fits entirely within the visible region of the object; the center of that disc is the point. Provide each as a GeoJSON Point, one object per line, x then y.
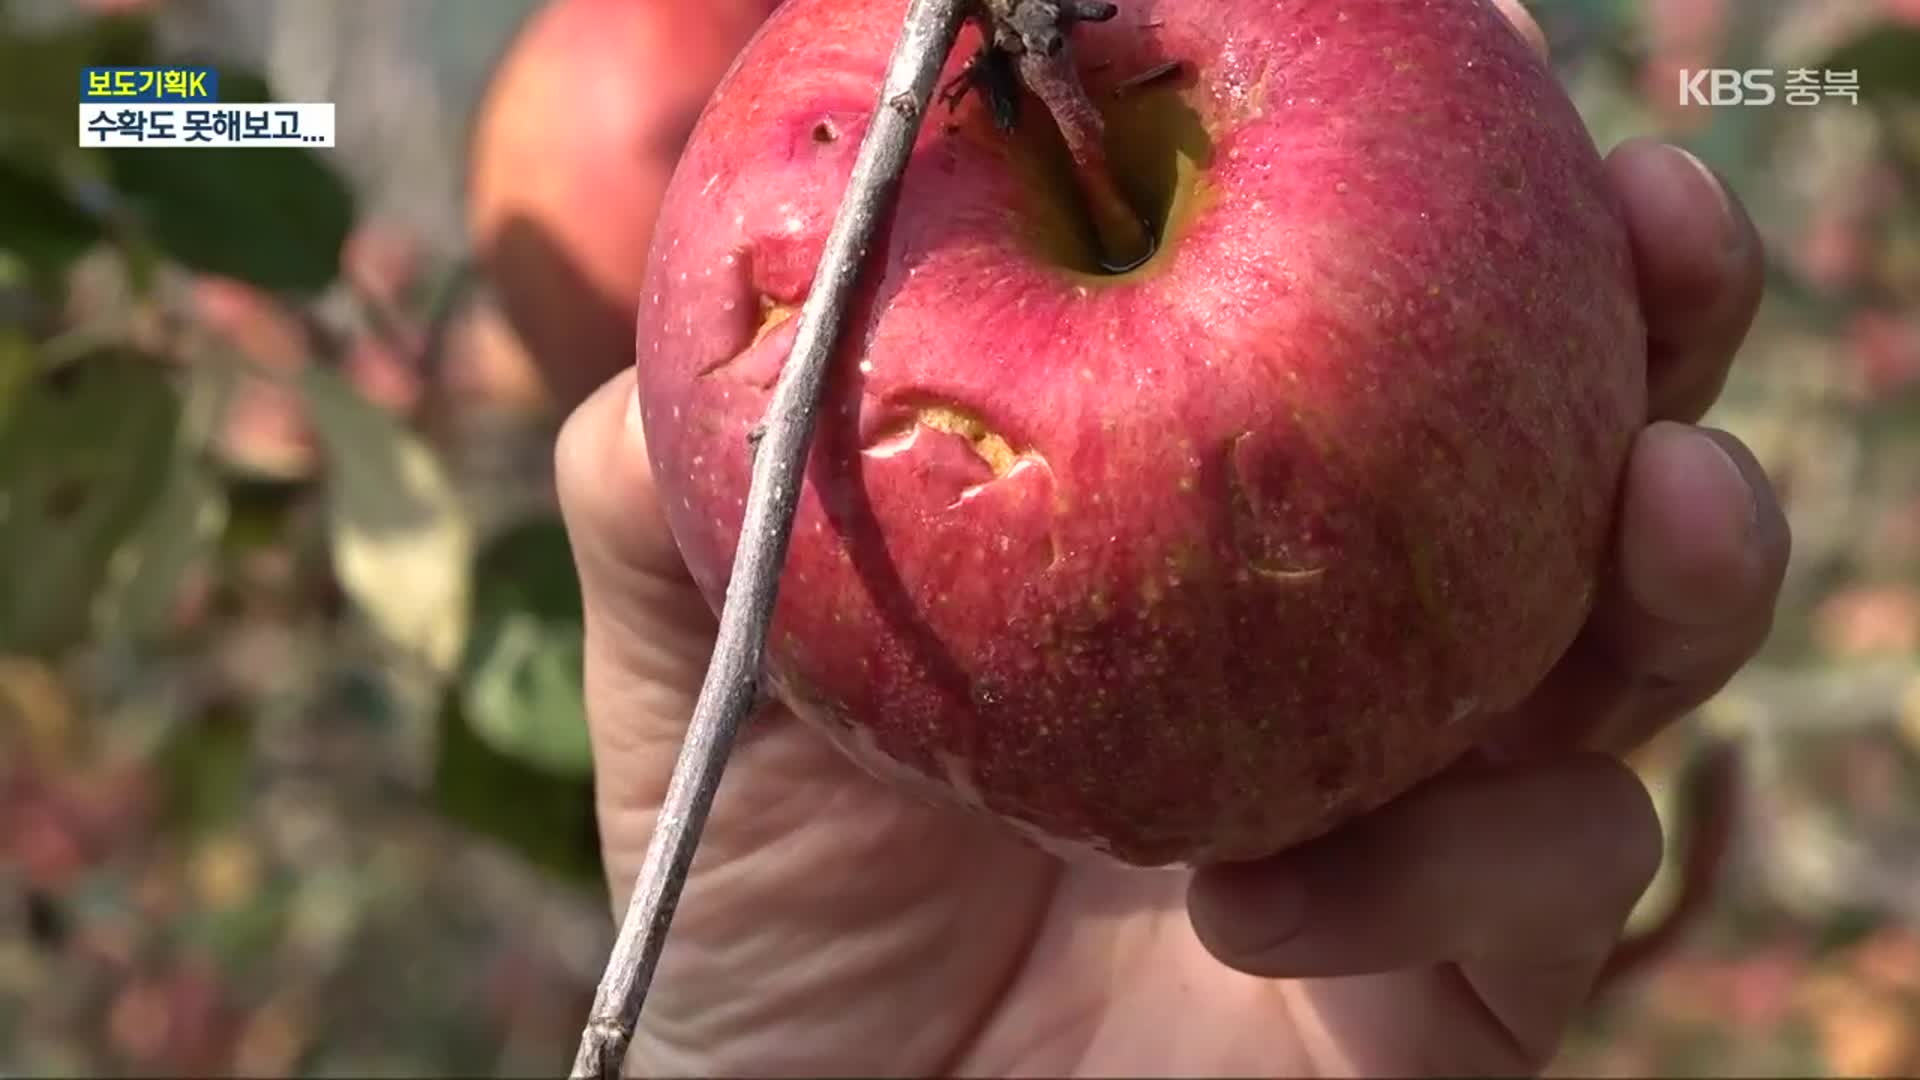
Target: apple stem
{"type": "Point", "coordinates": [1034, 32]}
{"type": "Point", "coordinates": [1124, 240]}
{"type": "Point", "coordinates": [733, 683]}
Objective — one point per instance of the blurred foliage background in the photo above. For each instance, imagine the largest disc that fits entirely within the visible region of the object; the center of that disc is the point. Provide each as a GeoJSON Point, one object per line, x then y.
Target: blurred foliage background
{"type": "Point", "coordinates": [293, 778]}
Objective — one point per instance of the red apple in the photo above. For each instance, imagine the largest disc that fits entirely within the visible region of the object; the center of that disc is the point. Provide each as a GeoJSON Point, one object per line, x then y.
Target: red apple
{"type": "Point", "coordinates": [1194, 562]}
{"type": "Point", "coordinates": [571, 148]}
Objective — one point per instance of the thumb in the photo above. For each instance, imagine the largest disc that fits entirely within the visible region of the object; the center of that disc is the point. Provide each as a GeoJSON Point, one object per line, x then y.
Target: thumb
{"type": "Point", "coordinates": [607, 494]}
{"type": "Point", "coordinates": [648, 631]}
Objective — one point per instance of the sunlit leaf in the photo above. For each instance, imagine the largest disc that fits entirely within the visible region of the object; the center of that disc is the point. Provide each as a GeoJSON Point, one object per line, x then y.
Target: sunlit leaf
{"type": "Point", "coordinates": [401, 542]}
{"type": "Point", "coordinates": [83, 455]}
{"type": "Point", "coordinates": [39, 719]}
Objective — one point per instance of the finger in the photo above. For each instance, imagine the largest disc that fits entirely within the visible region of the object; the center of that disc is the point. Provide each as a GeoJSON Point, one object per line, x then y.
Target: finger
{"type": "Point", "coordinates": [1701, 551]}
{"type": "Point", "coordinates": [1543, 861]}
{"type": "Point", "coordinates": [606, 489]}
{"type": "Point", "coordinates": [1523, 21]}
{"type": "Point", "coordinates": [648, 631]}
{"type": "Point", "coordinates": [1700, 268]}
{"type": "Point", "coordinates": [1521, 879]}
{"type": "Point", "coordinates": [1701, 565]}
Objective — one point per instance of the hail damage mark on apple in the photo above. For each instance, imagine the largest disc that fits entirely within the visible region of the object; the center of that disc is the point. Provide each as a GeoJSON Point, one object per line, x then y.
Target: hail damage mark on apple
{"type": "Point", "coordinates": [1272, 533]}
{"type": "Point", "coordinates": [772, 314]}
{"type": "Point", "coordinates": [773, 252]}
{"type": "Point", "coordinates": [763, 298]}
{"type": "Point", "coordinates": [992, 446]}
{"type": "Point", "coordinates": [920, 419]}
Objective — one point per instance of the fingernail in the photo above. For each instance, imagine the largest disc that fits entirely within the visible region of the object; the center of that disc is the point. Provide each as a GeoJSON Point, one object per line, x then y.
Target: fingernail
{"type": "Point", "coordinates": [1248, 910]}
{"type": "Point", "coordinates": [1725, 457]}
{"type": "Point", "coordinates": [1732, 237]}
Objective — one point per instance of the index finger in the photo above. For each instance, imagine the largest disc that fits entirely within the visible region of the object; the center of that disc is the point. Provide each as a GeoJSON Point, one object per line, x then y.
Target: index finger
{"type": "Point", "coordinates": [1701, 272]}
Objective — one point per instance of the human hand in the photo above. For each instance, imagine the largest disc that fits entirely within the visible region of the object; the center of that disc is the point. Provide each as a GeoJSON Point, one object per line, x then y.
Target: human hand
{"type": "Point", "coordinates": [833, 925]}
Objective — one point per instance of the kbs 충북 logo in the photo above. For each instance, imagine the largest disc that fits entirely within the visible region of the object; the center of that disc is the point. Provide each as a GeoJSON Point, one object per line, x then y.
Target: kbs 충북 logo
{"type": "Point", "coordinates": [1764, 86]}
{"type": "Point", "coordinates": [181, 106]}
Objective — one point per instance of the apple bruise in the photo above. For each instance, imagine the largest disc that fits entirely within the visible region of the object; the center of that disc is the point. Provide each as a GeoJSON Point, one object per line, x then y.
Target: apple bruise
{"type": "Point", "coordinates": [1200, 560]}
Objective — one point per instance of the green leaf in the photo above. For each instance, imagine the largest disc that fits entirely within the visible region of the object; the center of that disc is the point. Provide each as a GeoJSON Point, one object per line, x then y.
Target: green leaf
{"type": "Point", "coordinates": [521, 684]}
{"type": "Point", "coordinates": [83, 455]}
{"type": "Point", "coordinates": [529, 567]}
{"type": "Point", "coordinates": [179, 533]}
{"type": "Point", "coordinates": [207, 771]}
{"type": "Point", "coordinates": [39, 223]}
{"type": "Point", "coordinates": [1734, 139]}
{"type": "Point", "coordinates": [1887, 58]}
{"type": "Point", "coordinates": [17, 362]}
{"type": "Point", "coordinates": [549, 820]}
{"type": "Point", "coordinates": [40, 78]}
{"type": "Point", "coordinates": [401, 542]}
{"type": "Point", "coordinates": [272, 217]}
{"type": "Point", "coordinates": [522, 692]}
{"type": "Point", "coordinates": [237, 84]}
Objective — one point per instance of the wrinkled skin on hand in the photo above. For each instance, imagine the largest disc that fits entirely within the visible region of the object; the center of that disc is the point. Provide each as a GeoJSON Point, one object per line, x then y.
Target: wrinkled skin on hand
{"type": "Point", "coordinates": [832, 925]}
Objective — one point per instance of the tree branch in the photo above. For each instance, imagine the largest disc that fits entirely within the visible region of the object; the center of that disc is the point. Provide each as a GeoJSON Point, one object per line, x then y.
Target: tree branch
{"type": "Point", "coordinates": [728, 694]}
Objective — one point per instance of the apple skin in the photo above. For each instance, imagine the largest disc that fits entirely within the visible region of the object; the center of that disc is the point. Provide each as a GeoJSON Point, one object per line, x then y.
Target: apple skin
{"type": "Point", "coordinates": [1195, 563]}
{"type": "Point", "coordinates": [571, 148]}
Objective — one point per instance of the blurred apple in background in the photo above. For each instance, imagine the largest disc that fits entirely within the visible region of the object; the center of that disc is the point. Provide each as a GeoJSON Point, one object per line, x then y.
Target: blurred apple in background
{"type": "Point", "coordinates": [573, 144]}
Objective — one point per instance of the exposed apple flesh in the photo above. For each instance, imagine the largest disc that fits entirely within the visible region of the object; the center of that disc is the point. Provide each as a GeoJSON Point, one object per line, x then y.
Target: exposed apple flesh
{"type": "Point", "coordinates": [1195, 562]}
